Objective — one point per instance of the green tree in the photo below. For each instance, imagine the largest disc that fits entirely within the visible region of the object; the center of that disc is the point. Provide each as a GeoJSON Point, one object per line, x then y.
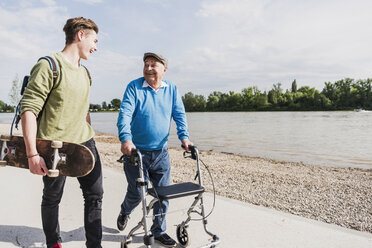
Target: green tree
{"type": "Point", "coordinates": [275, 96]}
{"type": "Point", "coordinates": [14, 93]}
{"type": "Point", "coordinates": [325, 103]}
{"type": "Point", "coordinates": [223, 104]}
{"type": "Point", "coordinates": [234, 102]}
{"type": "Point", "coordinates": [2, 106]}
{"type": "Point", "coordinates": [194, 102]}
{"type": "Point", "coordinates": [5, 107]}
{"type": "Point", "coordinates": [362, 94]}
{"type": "Point", "coordinates": [294, 86]}
{"type": "Point", "coordinates": [104, 105]}
{"type": "Point", "coordinates": [213, 101]}
{"type": "Point", "coordinates": [290, 98]}
{"type": "Point", "coordinates": [260, 100]}
{"type": "Point", "coordinates": [115, 103]}
{"type": "Point", "coordinates": [307, 99]}
{"type": "Point", "coordinates": [248, 98]}
{"type": "Point", "coordinates": [343, 89]}
{"type": "Point", "coordinates": [330, 92]}
{"type": "Point", "coordinates": [95, 107]}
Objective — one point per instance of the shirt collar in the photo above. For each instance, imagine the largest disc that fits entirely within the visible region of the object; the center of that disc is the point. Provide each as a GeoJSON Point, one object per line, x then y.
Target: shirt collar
{"type": "Point", "coordinates": [146, 84]}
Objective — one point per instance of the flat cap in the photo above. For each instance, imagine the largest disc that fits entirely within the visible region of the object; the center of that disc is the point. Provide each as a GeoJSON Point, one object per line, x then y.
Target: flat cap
{"type": "Point", "coordinates": [159, 57]}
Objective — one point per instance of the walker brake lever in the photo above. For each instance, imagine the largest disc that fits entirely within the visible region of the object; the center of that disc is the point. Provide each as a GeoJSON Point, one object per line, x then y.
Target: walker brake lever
{"type": "Point", "coordinates": [121, 159]}
{"type": "Point", "coordinates": [186, 156]}
{"type": "Point", "coordinates": [133, 159]}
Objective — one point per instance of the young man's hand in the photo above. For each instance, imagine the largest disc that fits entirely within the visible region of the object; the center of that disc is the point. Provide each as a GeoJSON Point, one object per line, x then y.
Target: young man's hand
{"type": "Point", "coordinates": [37, 165]}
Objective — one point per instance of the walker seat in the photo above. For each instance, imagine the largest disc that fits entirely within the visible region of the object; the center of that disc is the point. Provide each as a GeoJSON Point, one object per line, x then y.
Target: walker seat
{"type": "Point", "coordinates": [176, 191]}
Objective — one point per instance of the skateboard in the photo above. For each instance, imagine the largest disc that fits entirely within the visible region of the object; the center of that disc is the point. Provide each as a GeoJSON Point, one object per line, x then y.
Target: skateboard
{"type": "Point", "coordinates": [63, 158]}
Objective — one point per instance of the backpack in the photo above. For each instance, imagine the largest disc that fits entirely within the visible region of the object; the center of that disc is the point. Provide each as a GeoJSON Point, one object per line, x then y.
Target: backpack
{"type": "Point", "coordinates": [54, 68]}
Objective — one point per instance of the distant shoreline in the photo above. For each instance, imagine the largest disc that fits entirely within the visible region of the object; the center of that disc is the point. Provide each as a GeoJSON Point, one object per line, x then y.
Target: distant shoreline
{"type": "Point", "coordinates": [237, 111]}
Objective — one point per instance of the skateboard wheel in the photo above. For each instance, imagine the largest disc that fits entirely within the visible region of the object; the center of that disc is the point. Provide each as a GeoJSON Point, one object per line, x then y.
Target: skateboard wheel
{"type": "Point", "coordinates": [56, 144]}
{"type": "Point", "coordinates": [3, 163]}
{"type": "Point", "coordinates": [53, 173]}
{"type": "Point", "coordinates": [5, 137]}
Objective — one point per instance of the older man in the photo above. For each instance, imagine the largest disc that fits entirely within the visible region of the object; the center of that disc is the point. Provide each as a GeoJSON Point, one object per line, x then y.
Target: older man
{"type": "Point", "coordinates": [148, 105]}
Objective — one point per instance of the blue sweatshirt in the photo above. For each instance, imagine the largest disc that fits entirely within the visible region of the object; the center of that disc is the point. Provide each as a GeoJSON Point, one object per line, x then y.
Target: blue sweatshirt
{"type": "Point", "coordinates": [145, 115]}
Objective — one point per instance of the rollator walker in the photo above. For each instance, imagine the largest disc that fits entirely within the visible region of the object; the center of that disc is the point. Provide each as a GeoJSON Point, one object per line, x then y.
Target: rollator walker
{"type": "Point", "coordinates": [167, 193]}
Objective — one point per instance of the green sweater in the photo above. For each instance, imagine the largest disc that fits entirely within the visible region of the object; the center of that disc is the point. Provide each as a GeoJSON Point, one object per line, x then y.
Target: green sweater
{"type": "Point", "coordinates": [64, 115]}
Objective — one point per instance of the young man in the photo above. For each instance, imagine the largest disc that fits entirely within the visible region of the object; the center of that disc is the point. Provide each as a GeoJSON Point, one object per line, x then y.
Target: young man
{"type": "Point", "coordinates": [59, 111]}
{"type": "Point", "coordinates": [148, 105]}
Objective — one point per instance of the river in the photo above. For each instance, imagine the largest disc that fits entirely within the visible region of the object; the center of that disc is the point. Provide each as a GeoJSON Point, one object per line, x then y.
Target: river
{"type": "Point", "coordinates": [342, 138]}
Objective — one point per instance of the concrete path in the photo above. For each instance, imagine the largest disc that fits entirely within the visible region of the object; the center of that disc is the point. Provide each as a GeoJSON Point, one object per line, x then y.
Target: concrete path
{"type": "Point", "coordinates": [237, 224]}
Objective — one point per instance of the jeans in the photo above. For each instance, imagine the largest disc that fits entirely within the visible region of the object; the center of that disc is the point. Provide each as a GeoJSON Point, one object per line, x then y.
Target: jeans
{"type": "Point", "coordinates": [91, 186]}
{"type": "Point", "coordinates": [156, 167]}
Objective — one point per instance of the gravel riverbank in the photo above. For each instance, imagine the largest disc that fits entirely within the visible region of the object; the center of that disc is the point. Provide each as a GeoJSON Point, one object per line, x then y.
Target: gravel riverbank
{"type": "Point", "coordinates": [342, 196]}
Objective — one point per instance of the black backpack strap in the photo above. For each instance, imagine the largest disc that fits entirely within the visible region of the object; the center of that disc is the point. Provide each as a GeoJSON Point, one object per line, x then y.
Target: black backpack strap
{"type": "Point", "coordinates": [53, 66]}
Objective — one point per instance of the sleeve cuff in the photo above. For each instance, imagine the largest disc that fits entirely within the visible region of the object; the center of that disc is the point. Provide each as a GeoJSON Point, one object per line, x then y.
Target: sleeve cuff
{"type": "Point", "coordinates": [183, 137]}
{"type": "Point", "coordinates": [125, 138]}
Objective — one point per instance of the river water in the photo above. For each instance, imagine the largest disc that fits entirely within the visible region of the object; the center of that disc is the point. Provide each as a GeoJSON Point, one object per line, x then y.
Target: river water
{"type": "Point", "coordinates": [342, 138]}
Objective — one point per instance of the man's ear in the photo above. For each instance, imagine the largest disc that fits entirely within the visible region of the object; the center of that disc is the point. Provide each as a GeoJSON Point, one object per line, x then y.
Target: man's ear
{"type": "Point", "coordinates": [79, 35]}
{"type": "Point", "coordinates": [165, 69]}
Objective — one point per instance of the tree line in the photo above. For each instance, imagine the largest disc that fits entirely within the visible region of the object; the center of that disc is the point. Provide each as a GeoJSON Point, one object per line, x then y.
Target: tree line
{"type": "Point", "coordinates": [5, 107]}
{"type": "Point", "coordinates": [345, 94]}
{"type": "Point", "coordinates": [14, 96]}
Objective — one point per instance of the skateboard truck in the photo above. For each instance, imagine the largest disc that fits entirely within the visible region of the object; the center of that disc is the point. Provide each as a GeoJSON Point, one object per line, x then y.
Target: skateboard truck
{"type": "Point", "coordinates": [56, 158]}
{"type": "Point", "coordinates": [4, 150]}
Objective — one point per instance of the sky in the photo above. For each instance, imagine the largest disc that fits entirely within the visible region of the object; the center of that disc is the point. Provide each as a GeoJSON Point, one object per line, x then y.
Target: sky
{"type": "Point", "coordinates": [211, 45]}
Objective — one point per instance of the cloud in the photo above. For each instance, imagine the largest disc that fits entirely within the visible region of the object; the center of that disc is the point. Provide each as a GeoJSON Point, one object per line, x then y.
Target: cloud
{"type": "Point", "coordinates": [27, 31]}
{"type": "Point", "coordinates": [30, 29]}
{"type": "Point", "coordinates": [49, 2]}
{"type": "Point", "coordinates": [237, 8]}
{"type": "Point", "coordinates": [111, 72]}
{"type": "Point", "coordinates": [91, 2]}
{"type": "Point", "coordinates": [163, 3]}
{"type": "Point", "coordinates": [211, 44]}
{"type": "Point", "coordinates": [265, 42]}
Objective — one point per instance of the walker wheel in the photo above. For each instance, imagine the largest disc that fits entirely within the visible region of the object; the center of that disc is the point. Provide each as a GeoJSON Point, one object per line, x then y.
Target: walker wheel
{"type": "Point", "coordinates": [53, 173]}
{"type": "Point", "coordinates": [3, 163]}
{"type": "Point", "coordinates": [123, 243]}
{"type": "Point", "coordinates": [182, 235]}
{"type": "Point", "coordinates": [56, 144]}
{"type": "Point", "coordinates": [5, 137]}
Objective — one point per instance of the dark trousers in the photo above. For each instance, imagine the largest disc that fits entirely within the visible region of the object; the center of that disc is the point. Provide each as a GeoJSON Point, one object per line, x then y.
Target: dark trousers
{"type": "Point", "coordinates": [91, 186]}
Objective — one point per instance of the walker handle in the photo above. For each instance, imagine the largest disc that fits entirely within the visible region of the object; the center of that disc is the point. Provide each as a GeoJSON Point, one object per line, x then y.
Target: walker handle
{"type": "Point", "coordinates": [193, 151]}
{"type": "Point", "coordinates": [133, 158]}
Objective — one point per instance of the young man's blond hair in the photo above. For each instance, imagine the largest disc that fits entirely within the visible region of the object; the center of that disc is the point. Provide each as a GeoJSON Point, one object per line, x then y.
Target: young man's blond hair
{"type": "Point", "coordinates": [74, 25]}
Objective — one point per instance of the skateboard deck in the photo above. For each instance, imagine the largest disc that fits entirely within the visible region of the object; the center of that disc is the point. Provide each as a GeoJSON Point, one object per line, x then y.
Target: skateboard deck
{"type": "Point", "coordinates": [73, 160]}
